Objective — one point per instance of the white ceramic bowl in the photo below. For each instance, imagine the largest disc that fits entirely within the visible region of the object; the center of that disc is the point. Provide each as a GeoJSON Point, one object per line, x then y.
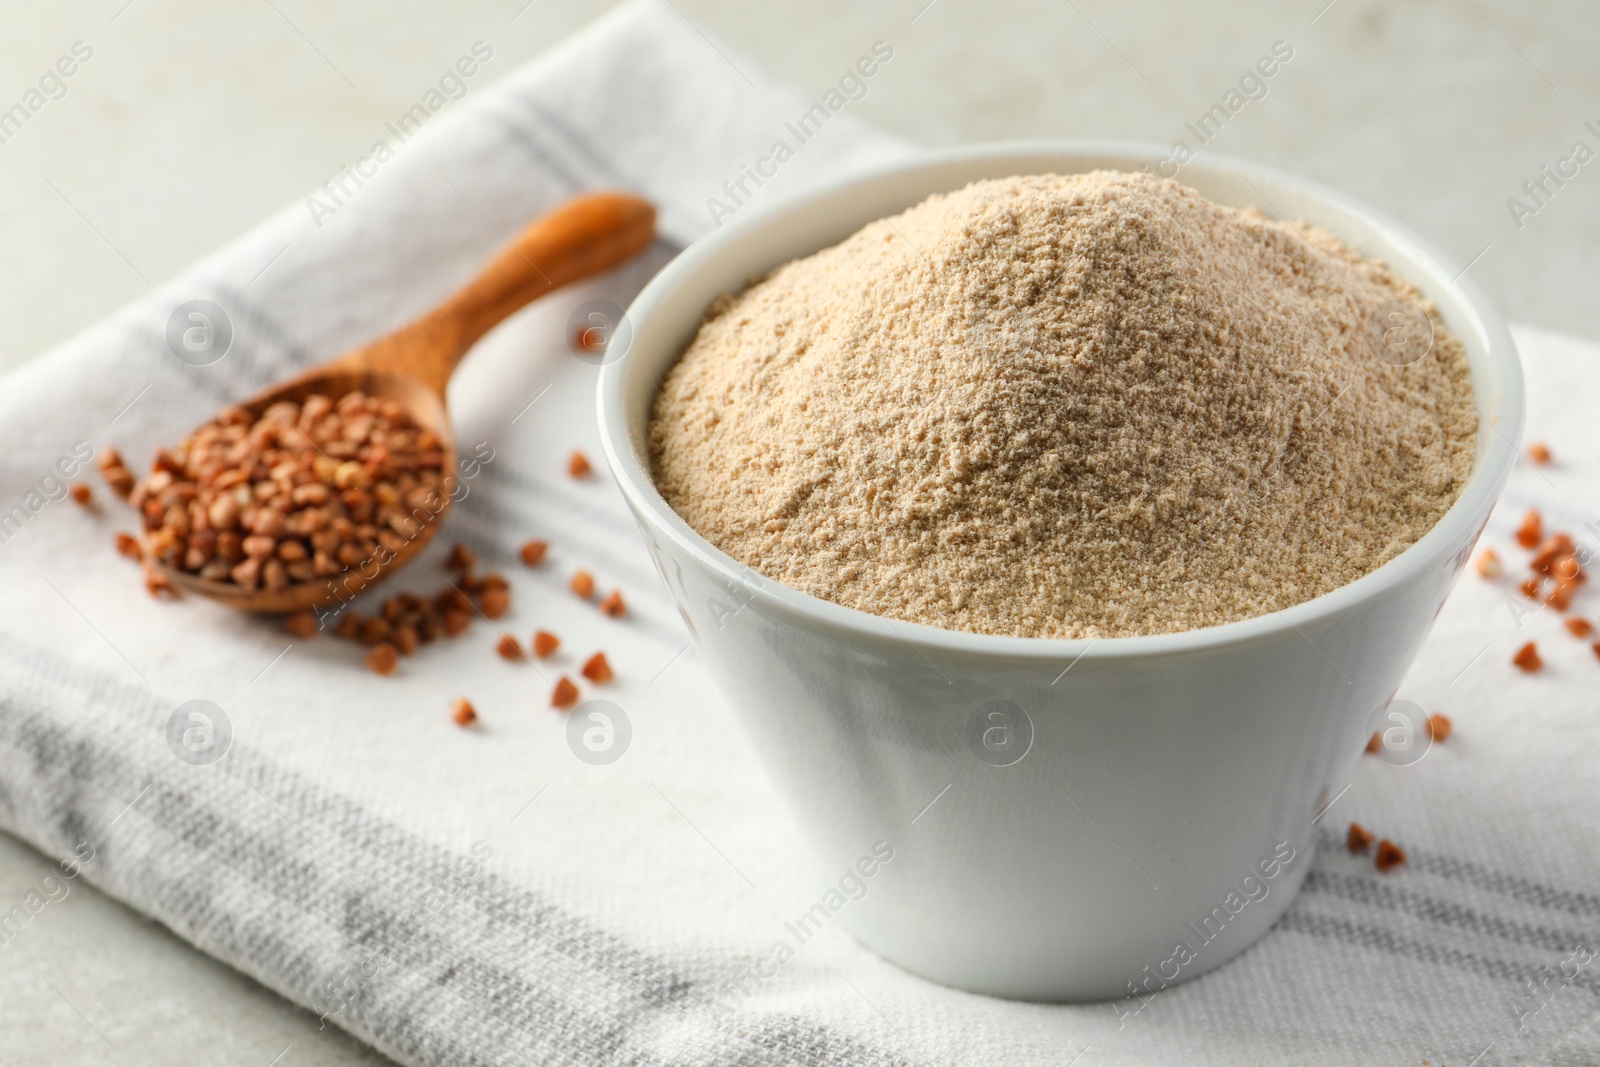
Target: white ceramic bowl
{"type": "Point", "coordinates": [1106, 816]}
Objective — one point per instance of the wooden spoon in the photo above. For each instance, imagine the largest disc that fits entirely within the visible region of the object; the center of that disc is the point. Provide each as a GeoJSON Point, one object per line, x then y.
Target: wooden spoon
{"type": "Point", "coordinates": [584, 237]}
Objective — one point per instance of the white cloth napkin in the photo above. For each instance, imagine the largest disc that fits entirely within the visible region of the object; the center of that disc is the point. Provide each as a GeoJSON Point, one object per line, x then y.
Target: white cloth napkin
{"type": "Point", "coordinates": [484, 896]}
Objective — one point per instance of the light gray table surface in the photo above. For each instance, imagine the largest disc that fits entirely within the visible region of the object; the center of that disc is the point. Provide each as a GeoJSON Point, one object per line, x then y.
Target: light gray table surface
{"type": "Point", "coordinates": [191, 121]}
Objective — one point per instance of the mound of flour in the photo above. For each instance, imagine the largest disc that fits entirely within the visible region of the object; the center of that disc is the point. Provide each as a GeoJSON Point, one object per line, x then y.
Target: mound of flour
{"type": "Point", "coordinates": [1095, 405]}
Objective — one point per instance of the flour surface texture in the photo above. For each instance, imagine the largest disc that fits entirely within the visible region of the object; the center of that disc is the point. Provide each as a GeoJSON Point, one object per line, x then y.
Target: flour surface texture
{"type": "Point", "coordinates": [1095, 405]}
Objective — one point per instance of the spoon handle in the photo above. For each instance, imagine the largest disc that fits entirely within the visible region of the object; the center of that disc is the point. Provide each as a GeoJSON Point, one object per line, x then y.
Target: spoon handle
{"type": "Point", "coordinates": [585, 236]}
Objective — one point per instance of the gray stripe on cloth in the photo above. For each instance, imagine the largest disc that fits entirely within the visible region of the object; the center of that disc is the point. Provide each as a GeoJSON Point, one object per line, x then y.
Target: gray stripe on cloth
{"type": "Point", "coordinates": [282, 354]}
{"type": "Point", "coordinates": [143, 345]}
{"type": "Point", "coordinates": [1527, 891]}
{"type": "Point", "coordinates": [793, 1040]}
{"type": "Point", "coordinates": [251, 861]}
{"type": "Point", "coordinates": [374, 888]}
{"type": "Point", "coordinates": [1301, 920]}
{"type": "Point", "coordinates": [520, 136]}
{"type": "Point", "coordinates": [1524, 890]}
{"type": "Point", "coordinates": [577, 142]}
{"type": "Point", "coordinates": [573, 142]}
{"type": "Point", "coordinates": [1372, 894]}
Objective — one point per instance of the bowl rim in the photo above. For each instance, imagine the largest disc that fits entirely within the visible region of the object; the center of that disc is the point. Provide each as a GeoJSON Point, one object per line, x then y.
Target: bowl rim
{"type": "Point", "coordinates": [1456, 530]}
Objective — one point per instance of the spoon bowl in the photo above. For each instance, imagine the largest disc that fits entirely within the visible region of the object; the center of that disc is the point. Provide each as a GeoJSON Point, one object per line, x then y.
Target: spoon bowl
{"type": "Point", "coordinates": [425, 407]}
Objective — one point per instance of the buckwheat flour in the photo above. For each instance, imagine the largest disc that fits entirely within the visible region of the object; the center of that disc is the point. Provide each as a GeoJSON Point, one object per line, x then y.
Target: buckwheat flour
{"type": "Point", "coordinates": [1096, 405]}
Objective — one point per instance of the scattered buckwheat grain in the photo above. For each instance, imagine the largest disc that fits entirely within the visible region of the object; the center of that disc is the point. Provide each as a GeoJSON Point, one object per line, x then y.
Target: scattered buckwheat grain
{"type": "Point", "coordinates": [597, 670]}
{"type": "Point", "coordinates": [129, 546]}
{"type": "Point", "coordinates": [1389, 855]}
{"type": "Point", "coordinates": [583, 584]}
{"type": "Point", "coordinates": [383, 658]}
{"type": "Point", "coordinates": [301, 624]}
{"type": "Point", "coordinates": [495, 601]}
{"type": "Point", "coordinates": [565, 694]}
{"type": "Point", "coordinates": [1531, 530]}
{"type": "Point", "coordinates": [115, 472]}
